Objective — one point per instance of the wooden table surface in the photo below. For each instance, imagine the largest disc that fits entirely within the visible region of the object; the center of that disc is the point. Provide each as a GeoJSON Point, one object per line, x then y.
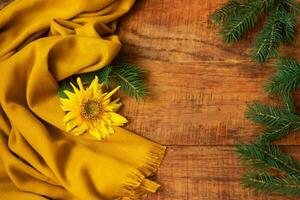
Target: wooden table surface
{"type": "Point", "coordinates": [199, 91]}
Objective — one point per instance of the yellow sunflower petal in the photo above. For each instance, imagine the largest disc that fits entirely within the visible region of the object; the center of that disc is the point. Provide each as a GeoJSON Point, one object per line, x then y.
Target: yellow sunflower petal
{"type": "Point", "coordinates": [94, 84]}
{"type": "Point", "coordinates": [110, 130]}
{"type": "Point", "coordinates": [103, 130]}
{"type": "Point", "coordinates": [114, 107]}
{"type": "Point", "coordinates": [108, 95]}
{"type": "Point", "coordinates": [75, 89]}
{"type": "Point", "coordinates": [116, 100]}
{"type": "Point", "coordinates": [105, 102]}
{"type": "Point", "coordinates": [98, 91]}
{"type": "Point", "coordinates": [71, 125]}
{"type": "Point", "coordinates": [94, 132]}
{"type": "Point", "coordinates": [68, 107]}
{"type": "Point", "coordinates": [80, 130]}
{"type": "Point", "coordinates": [117, 120]}
{"type": "Point", "coordinates": [80, 84]}
{"type": "Point", "coordinates": [69, 116]}
{"type": "Point", "coordinates": [69, 94]}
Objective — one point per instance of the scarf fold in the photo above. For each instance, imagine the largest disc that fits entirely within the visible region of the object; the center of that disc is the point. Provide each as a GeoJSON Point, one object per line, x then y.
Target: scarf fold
{"type": "Point", "coordinates": [41, 43]}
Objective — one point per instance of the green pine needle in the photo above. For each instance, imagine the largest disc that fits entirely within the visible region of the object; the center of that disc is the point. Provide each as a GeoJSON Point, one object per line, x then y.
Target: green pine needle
{"type": "Point", "coordinates": [266, 183]}
{"type": "Point", "coordinates": [263, 157]}
{"type": "Point", "coordinates": [271, 134]}
{"type": "Point", "coordinates": [221, 15]}
{"type": "Point", "coordinates": [104, 75]}
{"type": "Point", "coordinates": [64, 85]}
{"type": "Point", "coordinates": [288, 21]}
{"type": "Point", "coordinates": [238, 17]}
{"type": "Point", "coordinates": [291, 6]}
{"type": "Point", "coordinates": [237, 25]}
{"type": "Point", "coordinates": [129, 77]}
{"type": "Point", "coordinates": [288, 101]}
{"type": "Point", "coordinates": [271, 116]}
{"type": "Point", "coordinates": [287, 78]}
{"type": "Point", "coordinates": [267, 42]}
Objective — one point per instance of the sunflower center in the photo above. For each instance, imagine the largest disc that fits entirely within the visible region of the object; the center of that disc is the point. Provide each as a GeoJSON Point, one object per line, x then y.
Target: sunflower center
{"type": "Point", "coordinates": [91, 110]}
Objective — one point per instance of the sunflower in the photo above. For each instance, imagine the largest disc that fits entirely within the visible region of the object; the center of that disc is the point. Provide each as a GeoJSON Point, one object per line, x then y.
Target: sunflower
{"type": "Point", "coordinates": [91, 111]}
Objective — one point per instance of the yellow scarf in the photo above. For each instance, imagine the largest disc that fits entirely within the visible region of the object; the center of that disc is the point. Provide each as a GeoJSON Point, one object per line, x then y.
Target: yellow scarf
{"type": "Point", "coordinates": [41, 43]}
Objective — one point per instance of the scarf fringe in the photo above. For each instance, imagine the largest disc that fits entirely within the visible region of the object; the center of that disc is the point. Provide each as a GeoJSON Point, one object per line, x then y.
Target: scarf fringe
{"type": "Point", "coordinates": [138, 185]}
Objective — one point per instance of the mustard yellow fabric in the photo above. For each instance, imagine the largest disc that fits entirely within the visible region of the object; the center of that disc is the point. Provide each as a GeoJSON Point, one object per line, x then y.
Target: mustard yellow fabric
{"type": "Point", "coordinates": [41, 43]}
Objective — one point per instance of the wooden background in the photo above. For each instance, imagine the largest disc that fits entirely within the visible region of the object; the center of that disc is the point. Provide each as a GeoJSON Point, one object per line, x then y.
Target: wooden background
{"type": "Point", "coordinates": [199, 91]}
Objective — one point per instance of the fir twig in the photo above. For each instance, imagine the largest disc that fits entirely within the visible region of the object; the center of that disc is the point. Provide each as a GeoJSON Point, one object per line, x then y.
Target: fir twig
{"type": "Point", "coordinates": [263, 157]}
{"type": "Point", "coordinates": [267, 42]}
{"type": "Point", "coordinates": [266, 183]}
{"type": "Point", "coordinates": [288, 101]}
{"type": "Point", "coordinates": [222, 13]}
{"type": "Point", "coordinates": [271, 134]}
{"type": "Point", "coordinates": [287, 78]}
{"type": "Point", "coordinates": [129, 77]}
{"type": "Point", "coordinates": [238, 17]}
{"type": "Point", "coordinates": [237, 25]}
{"type": "Point", "coordinates": [271, 116]}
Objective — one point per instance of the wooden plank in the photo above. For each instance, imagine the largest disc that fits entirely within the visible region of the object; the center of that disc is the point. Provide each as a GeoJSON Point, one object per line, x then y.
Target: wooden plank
{"type": "Point", "coordinates": [199, 104]}
{"type": "Point", "coordinates": [200, 86]}
{"type": "Point", "coordinates": [180, 31]}
{"type": "Point", "coordinates": [206, 173]}
{"type": "Point", "coordinates": [176, 31]}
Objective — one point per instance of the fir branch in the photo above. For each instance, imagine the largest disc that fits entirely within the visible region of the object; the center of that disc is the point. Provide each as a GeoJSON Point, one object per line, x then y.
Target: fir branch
{"type": "Point", "coordinates": [263, 157]}
{"type": "Point", "coordinates": [271, 134]}
{"type": "Point", "coordinates": [264, 5]}
{"type": "Point", "coordinates": [288, 101]}
{"type": "Point", "coordinates": [271, 116]}
{"type": "Point", "coordinates": [267, 42]}
{"type": "Point", "coordinates": [288, 22]}
{"type": "Point", "coordinates": [266, 183]}
{"type": "Point", "coordinates": [287, 78]}
{"type": "Point", "coordinates": [63, 85]}
{"type": "Point", "coordinates": [129, 77]}
{"type": "Point", "coordinates": [237, 25]}
{"type": "Point", "coordinates": [222, 14]}
{"type": "Point", "coordinates": [250, 158]}
{"type": "Point", "coordinates": [238, 17]}
{"type": "Point", "coordinates": [104, 75]}
{"type": "Point", "coordinates": [291, 6]}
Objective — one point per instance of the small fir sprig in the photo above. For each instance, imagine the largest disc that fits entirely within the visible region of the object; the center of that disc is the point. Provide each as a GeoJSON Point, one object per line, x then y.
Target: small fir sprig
{"type": "Point", "coordinates": [265, 157]}
{"type": "Point", "coordinates": [287, 78]}
{"type": "Point", "coordinates": [129, 77]}
{"type": "Point", "coordinates": [267, 183]}
{"type": "Point", "coordinates": [238, 17]}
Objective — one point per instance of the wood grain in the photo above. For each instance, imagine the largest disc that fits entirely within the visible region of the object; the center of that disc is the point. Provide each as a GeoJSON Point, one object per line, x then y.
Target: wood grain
{"type": "Point", "coordinates": [199, 91]}
{"type": "Point", "coordinates": [206, 173]}
{"type": "Point", "coordinates": [200, 87]}
{"type": "Point", "coordinates": [199, 103]}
